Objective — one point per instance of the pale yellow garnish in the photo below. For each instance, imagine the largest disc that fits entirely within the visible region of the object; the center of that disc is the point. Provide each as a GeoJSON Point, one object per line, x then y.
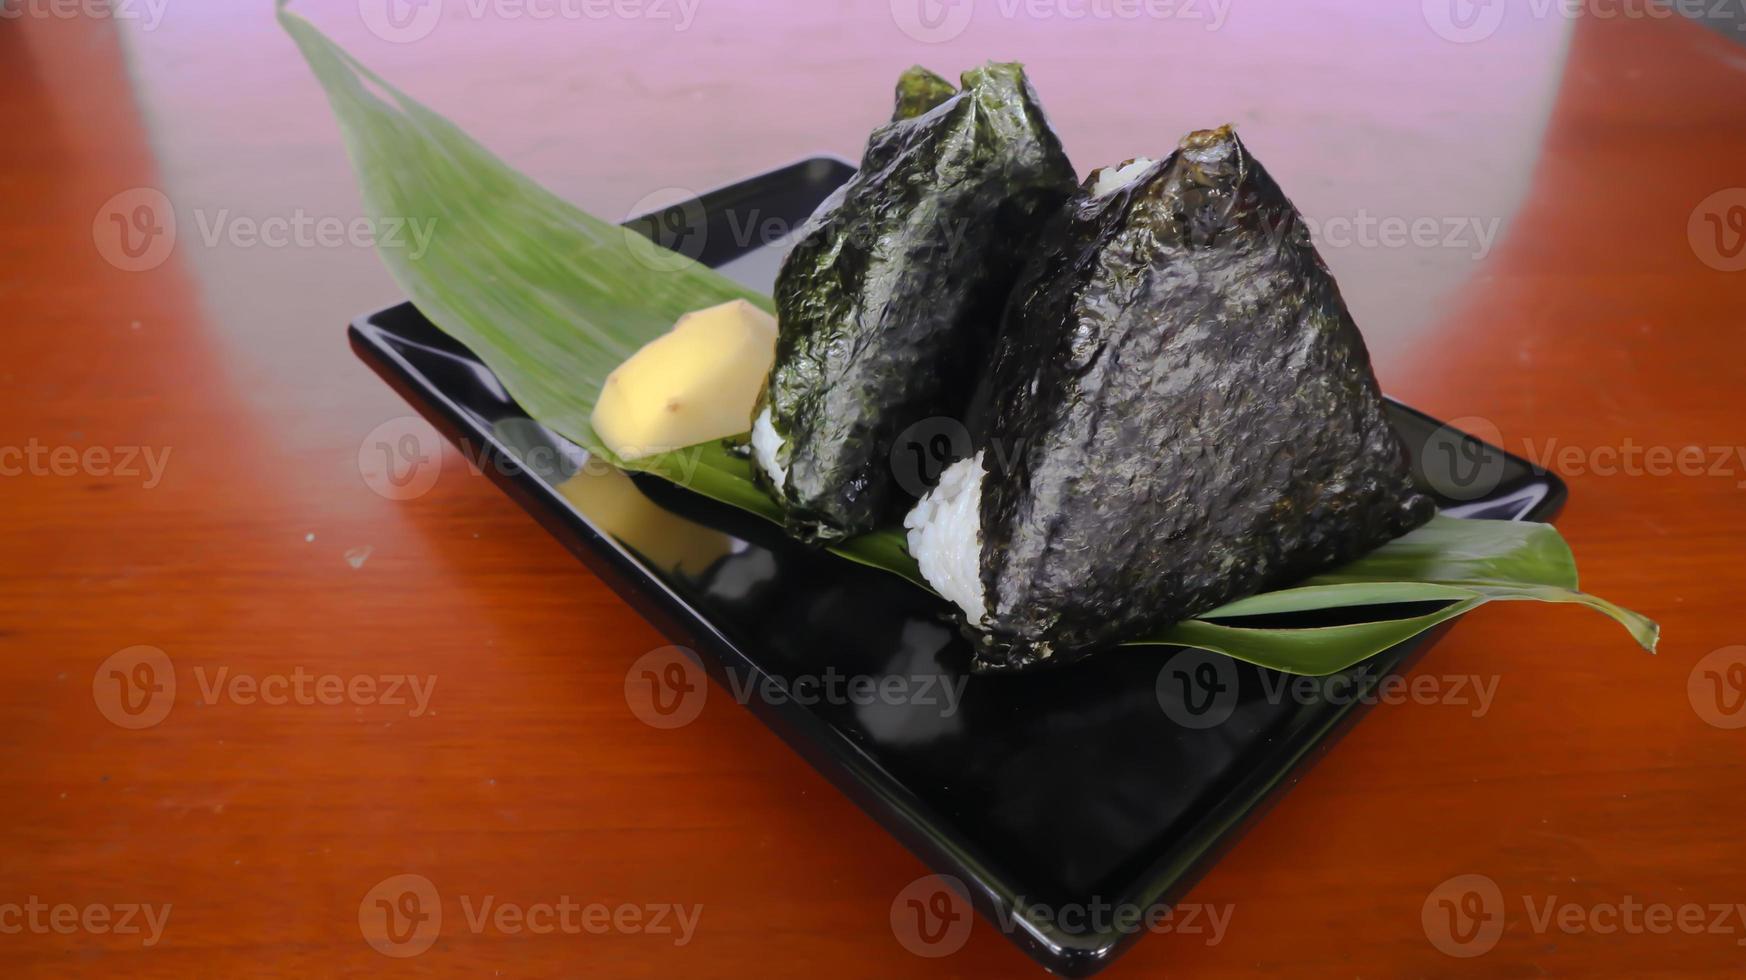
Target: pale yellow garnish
{"type": "Point", "coordinates": [695, 383]}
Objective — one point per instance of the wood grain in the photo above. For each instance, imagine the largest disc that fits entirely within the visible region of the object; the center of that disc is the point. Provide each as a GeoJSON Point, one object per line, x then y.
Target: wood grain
{"type": "Point", "coordinates": [1594, 323]}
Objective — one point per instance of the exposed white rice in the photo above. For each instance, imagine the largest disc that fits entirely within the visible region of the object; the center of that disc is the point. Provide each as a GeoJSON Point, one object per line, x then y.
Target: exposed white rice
{"type": "Point", "coordinates": [945, 537]}
{"type": "Point", "coordinates": [1112, 179]}
{"type": "Point", "coordinates": [767, 446]}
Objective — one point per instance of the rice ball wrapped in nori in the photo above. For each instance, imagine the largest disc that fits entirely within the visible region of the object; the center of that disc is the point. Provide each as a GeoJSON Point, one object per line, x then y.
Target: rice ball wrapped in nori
{"type": "Point", "coordinates": [1183, 413]}
{"type": "Point", "coordinates": [889, 301]}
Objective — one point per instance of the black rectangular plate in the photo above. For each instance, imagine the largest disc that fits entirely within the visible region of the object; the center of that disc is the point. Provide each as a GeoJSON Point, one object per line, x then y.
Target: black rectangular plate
{"type": "Point", "coordinates": [1063, 789]}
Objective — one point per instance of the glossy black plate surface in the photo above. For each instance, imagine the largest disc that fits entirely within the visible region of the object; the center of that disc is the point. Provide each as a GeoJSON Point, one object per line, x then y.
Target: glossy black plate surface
{"type": "Point", "coordinates": [1116, 781]}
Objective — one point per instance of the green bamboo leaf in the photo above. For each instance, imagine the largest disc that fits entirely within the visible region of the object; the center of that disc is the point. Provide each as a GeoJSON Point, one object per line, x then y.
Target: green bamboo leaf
{"type": "Point", "coordinates": [548, 296]}
{"type": "Point", "coordinates": [552, 299]}
{"type": "Point", "coordinates": [885, 550]}
{"type": "Point", "coordinates": [1330, 649]}
{"type": "Point", "coordinates": [1315, 652]}
{"type": "Point", "coordinates": [1312, 597]}
{"type": "Point", "coordinates": [1453, 550]}
{"type": "Point", "coordinates": [1644, 630]}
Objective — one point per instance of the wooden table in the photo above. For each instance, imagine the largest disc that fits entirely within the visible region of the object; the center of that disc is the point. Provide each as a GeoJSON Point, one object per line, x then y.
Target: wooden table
{"type": "Point", "coordinates": [182, 473]}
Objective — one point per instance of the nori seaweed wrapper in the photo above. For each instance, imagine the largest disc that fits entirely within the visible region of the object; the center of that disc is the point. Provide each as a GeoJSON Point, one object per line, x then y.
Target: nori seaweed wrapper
{"type": "Point", "coordinates": [1184, 413]}
{"type": "Point", "coordinates": [889, 300]}
{"type": "Point", "coordinates": [919, 90]}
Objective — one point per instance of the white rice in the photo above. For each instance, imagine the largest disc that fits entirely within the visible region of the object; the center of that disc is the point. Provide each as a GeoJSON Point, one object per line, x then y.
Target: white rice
{"type": "Point", "coordinates": [945, 537]}
{"type": "Point", "coordinates": [1112, 179]}
{"type": "Point", "coordinates": [767, 446]}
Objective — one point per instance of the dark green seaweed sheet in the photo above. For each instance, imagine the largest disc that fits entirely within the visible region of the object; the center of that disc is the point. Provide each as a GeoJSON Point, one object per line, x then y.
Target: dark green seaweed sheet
{"type": "Point", "coordinates": [889, 300]}
{"type": "Point", "coordinates": [1185, 415]}
{"type": "Point", "coordinates": [919, 90]}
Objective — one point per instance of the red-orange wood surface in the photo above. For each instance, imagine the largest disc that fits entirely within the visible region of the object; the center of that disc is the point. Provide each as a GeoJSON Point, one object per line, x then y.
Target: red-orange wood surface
{"type": "Point", "coordinates": [1602, 321]}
